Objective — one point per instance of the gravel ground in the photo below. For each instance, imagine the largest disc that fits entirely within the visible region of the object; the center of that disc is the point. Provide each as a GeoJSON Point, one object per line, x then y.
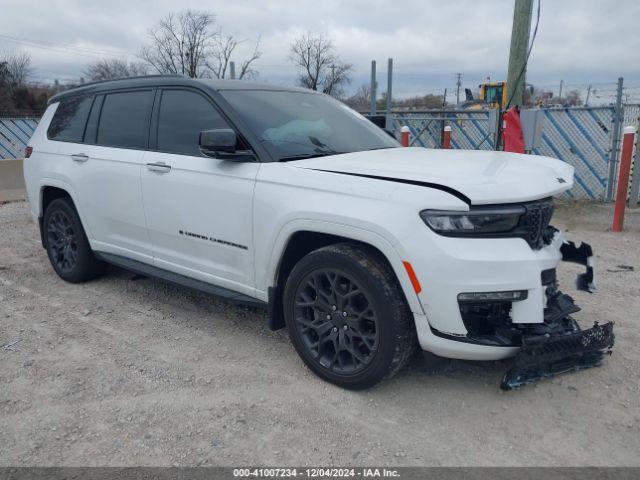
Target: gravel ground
{"type": "Point", "coordinates": [126, 371]}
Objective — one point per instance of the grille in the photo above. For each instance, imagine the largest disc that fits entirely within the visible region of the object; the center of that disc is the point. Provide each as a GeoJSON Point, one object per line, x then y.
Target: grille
{"type": "Point", "coordinates": [536, 220]}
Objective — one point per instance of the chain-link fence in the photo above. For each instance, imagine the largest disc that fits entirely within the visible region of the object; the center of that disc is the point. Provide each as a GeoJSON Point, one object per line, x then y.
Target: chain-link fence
{"type": "Point", "coordinates": [580, 136]}
{"type": "Point", "coordinates": [14, 136]}
{"type": "Point", "coordinates": [470, 129]}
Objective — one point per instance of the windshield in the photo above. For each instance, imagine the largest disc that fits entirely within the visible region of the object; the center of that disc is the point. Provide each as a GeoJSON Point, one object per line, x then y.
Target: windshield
{"type": "Point", "coordinates": [294, 125]}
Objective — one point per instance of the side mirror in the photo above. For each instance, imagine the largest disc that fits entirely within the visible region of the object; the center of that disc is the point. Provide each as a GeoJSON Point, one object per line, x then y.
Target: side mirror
{"type": "Point", "coordinates": [218, 140]}
{"type": "Point", "coordinates": [221, 143]}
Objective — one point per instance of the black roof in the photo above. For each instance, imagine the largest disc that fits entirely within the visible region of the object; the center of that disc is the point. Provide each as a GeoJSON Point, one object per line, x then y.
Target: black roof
{"type": "Point", "coordinates": [170, 80]}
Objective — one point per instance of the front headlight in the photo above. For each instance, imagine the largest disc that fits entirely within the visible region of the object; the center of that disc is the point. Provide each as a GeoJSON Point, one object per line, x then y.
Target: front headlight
{"type": "Point", "coordinates": [477, 221]}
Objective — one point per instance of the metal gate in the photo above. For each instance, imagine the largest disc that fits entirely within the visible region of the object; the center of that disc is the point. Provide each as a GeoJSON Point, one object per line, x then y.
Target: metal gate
{"type": "Point", "coordinates": [582, 137]}
{"type": "Point", "coordinates": [470, 129]}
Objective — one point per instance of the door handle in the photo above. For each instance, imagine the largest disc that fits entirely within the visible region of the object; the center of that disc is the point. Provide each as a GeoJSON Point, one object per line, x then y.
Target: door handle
{"type": "Point", "coordinates": [159, 167]}
{"type": "Point", "coordinates": [80, 157]}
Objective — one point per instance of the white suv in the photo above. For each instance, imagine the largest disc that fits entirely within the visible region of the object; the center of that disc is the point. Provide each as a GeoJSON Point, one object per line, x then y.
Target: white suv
{"type": "Point", "coordinates": [287, 198]}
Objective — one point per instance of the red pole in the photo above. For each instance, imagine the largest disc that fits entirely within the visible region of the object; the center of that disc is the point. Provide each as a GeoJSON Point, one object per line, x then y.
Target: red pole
{"type": "Point", "coordinates": [446, 137]}
{"type": "Point", "coordinates": [623, 178]}
{"type": "Point", "coordinates": [404, 136]}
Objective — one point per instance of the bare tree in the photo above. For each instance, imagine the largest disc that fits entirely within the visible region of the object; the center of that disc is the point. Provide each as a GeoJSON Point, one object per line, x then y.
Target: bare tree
{"type": "Point", "coordinates": [112, 68]}
{"type": "Point", "coordinates": [221, 54]}
{"type": "Point", "coordinates": [17, 96]}
{"type": "Point", "coordinates": [220, 58]}
{"type": "Point", "coordinates": [361, 100]}
{"type": "Point", "coordinates": [426, 102]}
{"type": "Point", "coordinates": [180, 43]}
{"type": "Point", "coordinates": [320, 68]}
{"type": "Point", "coordinates": [16, 68]}
{"type": "Point", "coordinates": [246, 70]}
{"type": "Point", "coordinates": [6, 102]}
{"type": "Point", "coordinates": [573, 99]}
{"type": "Point", "coordinates": [188, 44]}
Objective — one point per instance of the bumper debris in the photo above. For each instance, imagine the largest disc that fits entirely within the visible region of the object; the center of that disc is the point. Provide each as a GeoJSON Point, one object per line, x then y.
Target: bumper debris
{"type": "Point", "coordinates": [543, 356]}
{"type": "Point", "coordinates": [582, 255]}
{"type": "Point", "coordinates": [558, 345]}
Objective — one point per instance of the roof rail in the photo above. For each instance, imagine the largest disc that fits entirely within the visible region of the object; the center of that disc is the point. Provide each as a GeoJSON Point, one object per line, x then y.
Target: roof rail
{"type": "Point", "coordinates": [97, 82]}
{"type": "Point", "coordinates": [79, 88]}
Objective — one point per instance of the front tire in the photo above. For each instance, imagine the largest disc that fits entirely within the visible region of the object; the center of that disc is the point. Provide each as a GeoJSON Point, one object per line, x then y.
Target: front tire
{"type": "Point", "coordinates": [347, 316]}
{"type": "Point", "coordinates": [67, 245]}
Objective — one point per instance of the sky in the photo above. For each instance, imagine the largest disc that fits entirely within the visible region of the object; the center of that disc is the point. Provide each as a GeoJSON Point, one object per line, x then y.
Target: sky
{"type": "Point", "coordinates": [581, 42]}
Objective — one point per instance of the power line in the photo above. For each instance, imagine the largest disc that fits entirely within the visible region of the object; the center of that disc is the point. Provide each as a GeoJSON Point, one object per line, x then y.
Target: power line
{"type": "Point", "coordinates": [66, 48]}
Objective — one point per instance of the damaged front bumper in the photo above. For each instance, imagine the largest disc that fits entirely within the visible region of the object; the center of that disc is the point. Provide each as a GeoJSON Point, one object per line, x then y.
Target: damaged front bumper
{"type": "Point", "coordinates": [559, 345]}
{"type": "Point", "coordinates": [465, 318]}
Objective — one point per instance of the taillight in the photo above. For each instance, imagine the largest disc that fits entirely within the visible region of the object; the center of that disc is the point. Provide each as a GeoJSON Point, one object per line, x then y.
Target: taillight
{"type": "Point", "coordinates": [28, 151]}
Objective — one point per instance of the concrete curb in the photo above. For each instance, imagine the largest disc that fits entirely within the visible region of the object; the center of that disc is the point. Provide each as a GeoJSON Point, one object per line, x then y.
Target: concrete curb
{"type": "Point", "coordinates": [11, 181]}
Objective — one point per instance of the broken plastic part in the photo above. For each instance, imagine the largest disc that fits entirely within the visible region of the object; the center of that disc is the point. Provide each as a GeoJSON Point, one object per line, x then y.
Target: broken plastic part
{"type": "Point", "coordinates": [582, 255]}
{"type": "Point", "coordinates": [558, 345]}
{"type": "Point", "coordinates": [547, 355]}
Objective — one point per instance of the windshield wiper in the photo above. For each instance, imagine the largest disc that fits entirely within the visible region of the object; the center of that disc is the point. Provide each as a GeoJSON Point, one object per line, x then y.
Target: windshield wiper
{"type": "Point", "coordinates": [305, 156]}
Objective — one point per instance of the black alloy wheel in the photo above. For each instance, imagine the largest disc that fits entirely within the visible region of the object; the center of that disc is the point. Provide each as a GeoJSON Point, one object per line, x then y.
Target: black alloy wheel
{"type": "Point", "coordinates": [62, 242]}
{"type": "Point", "coordinates": [66, 242]}
{"type": "Point", "coordinates": [347, 316]}
{"type": "Point", "coordinates": [336, 321]}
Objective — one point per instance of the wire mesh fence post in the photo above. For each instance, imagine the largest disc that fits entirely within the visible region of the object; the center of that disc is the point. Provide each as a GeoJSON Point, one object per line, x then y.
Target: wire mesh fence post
{"type": "Point", "coordinates": [635, 179]}
{"type": "Point", "coordinates": [388, 120]}
{"type": "Point", "coordinates": [615, 142]}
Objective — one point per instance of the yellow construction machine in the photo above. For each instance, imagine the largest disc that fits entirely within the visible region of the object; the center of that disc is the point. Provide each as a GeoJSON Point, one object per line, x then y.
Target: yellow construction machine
{"type": "Point", "coordinates": [494, 94]}
{"type": "Point", "coordinates": [491, 95]}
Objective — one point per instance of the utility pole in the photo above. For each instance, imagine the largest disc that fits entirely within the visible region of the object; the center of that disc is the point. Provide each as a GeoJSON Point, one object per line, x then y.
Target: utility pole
{"type": "Point", "coordinates": [520, 31]}
{"type": "Point", "coordinates": [586, 103]}
{"type": "Point", "coordinates": [560, 91]}
{"type": "Point", "coordinates": [388, 121]}
{"type": "Point", "coordinates": [373, 88]}
{"type": "Point", "coordinates": [458, 85]}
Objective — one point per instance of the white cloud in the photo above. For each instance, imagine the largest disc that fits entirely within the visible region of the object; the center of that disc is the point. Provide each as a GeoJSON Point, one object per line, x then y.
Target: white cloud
{"type": "Point", "coordinates": [579, 41]}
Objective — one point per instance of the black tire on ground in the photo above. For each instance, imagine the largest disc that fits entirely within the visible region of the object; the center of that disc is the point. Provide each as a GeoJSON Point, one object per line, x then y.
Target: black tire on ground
{"type": "Point", "coordinates": [347, 316]}
{"type": "Point", "coordinates": [67, 246]}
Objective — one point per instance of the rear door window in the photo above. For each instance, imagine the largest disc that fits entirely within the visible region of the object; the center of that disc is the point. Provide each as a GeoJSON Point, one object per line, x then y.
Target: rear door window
{"type": "Point", "coordinates": [183, 114]}
{"type": "Point", "coordinates": [124, 120]}
{"type": "Point", "coordinates": [69, 121]}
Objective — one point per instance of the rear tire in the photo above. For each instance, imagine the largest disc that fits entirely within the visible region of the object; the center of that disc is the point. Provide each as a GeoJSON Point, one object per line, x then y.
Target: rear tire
{"type": "Point", "coordinates": [67, 245]}
{"type": "Point", "coordinates": [347, 316]}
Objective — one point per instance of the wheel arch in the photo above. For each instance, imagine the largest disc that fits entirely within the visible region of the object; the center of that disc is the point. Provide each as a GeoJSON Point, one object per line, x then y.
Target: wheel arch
{"type": "Point", "coordinates": [300, 242]}
{"type": "Point", "coordinates": [49, 193]}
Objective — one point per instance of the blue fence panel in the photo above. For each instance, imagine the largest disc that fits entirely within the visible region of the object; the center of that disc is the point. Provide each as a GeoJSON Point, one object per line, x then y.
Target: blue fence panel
{"type": "Point", "coordinates": [470, 129]}
{"type": "Point", "coordinates": [14, 136]}
{"type": "Point", "coordinates": [579, 136]}
{"type": "Point", "coordinates": [582, 138]}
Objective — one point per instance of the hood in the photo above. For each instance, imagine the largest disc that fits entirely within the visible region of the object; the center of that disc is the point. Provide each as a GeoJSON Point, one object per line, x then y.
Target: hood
{"type": "Point", "coordinates": [477, 176]}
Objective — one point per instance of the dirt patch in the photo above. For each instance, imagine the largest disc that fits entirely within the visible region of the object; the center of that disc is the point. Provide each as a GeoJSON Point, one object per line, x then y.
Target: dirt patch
{"type": "Point", "coordinates": [126, 371]}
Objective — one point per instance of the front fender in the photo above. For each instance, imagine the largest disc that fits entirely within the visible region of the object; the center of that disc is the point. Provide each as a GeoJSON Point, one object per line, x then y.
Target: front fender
{"type": "Point", "coordinates": [267, 277]}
